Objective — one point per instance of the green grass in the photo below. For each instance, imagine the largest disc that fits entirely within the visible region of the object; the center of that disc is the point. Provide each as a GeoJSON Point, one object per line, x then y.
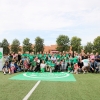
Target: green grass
{"type": "Point", "coordinates": [86, 87]}
{"type": "Point", "coordinates": [13, 89]}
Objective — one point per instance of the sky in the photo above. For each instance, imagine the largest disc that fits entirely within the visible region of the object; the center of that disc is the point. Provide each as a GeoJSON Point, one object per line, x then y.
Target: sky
{"type": "Point", "coordinates": [20, 19]}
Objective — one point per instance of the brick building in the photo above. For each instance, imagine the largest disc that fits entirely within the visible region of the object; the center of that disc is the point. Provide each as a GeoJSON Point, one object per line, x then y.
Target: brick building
{"type": "Point", "coordinates": [51, 48]}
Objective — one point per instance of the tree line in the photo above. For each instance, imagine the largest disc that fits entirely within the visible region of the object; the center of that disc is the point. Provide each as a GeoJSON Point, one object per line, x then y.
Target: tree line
{"type": "Point", "coordinates": [63, 44]}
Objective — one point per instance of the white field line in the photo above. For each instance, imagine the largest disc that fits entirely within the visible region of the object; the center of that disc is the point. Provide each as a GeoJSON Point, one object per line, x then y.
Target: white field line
{"type": "Point", "coordinates": [31, 91]}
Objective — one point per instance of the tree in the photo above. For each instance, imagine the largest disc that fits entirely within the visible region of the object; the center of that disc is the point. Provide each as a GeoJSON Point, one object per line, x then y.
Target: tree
{"type": "Point", "coordinates": [97, 44]}
{"type": "Point", "coordinates": [5, 46]}
{"type": "Point", "coordinates": [27, 46]}
{"type": "Point", "coordinates": [15, 46]}
{"type": "Point", "coordinates": [62, 43]}
{"type": "Point", "coordinates": [88, 47]}
{"type": "Point", "coordinates": [39, 45]}
{"type": "Point", "coordinates": [76, 44]}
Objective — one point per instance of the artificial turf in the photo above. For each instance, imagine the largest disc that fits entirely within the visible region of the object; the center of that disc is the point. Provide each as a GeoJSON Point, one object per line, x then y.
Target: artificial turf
{"type": "Point", "coordinates": [86, 87]}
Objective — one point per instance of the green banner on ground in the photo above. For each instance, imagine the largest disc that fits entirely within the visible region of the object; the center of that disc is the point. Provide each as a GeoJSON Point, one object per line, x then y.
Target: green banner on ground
{"type": "Point", "coordinates": [47, 76]}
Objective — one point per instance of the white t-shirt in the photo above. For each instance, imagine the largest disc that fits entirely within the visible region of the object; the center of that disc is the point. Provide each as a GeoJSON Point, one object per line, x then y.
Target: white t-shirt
{"type": "Point", "coordinates": [53, 58]}
{"type": "Point", "coordinates": [85, 62]}
{"type": "Point", "coordinates": [43, 65]}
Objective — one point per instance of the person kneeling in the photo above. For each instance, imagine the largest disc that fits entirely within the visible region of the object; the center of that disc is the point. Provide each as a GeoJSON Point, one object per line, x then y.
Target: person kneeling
{"type": "Point", "coordinates": [93, 66]}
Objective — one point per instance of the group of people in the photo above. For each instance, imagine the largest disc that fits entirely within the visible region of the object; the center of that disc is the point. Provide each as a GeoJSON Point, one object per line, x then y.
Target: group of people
{"type": "Point", "coordinates": [46, 62]}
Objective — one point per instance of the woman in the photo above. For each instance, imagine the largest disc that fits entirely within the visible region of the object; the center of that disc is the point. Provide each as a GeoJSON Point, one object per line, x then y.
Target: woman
{"type": "Point", "coordinates": [42, 66]}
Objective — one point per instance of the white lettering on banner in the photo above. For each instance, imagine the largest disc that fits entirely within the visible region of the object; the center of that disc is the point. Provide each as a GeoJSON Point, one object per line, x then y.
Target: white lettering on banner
{"type": "Point", "coordinates": [51, 75]}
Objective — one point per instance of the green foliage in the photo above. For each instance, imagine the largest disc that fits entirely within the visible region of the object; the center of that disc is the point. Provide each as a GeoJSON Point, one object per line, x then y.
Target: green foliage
{"type": "Point", "coordinates": [62, 43]}
{"type": "Point", "coordinates": [27, 46]}
{"type": "Point", "coordinates": [76, 44]}
{"type": "Point", "coordinates": [39, 45]}
{"type": "Point", "coordinates": [97, 44]}
{"type": "Point", "coordinates": [88, 47]}
{"type": "Point", "coordinates": [5, 46]}
{"type": "Point", "coordinates": [15, 46]}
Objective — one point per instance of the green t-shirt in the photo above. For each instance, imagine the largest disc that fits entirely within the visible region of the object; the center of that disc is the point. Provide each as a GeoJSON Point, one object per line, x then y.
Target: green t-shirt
{"type": "Point", "coordinates": [49, 55]}
{"type": "Point", "coordinates": [40, 56]}
{"type": "Point", "coordinates": [26, 55]}
{"type": "Point", "coordinates": [58, 56]}
{"type": "Point", "coordinates": [33, 63]}
{"type": "Point", "coordinates": [31, 58]}
{"type": "Point", "coordinates": [52, 65]}
{"type": "Point", "coordinates": [67, 55]}
{"type": "Point", "coordinates": [70, 60]}
{"type": "Point", "coordinates": [75, 60]}
{"type": "Point", "coordinates": [69, 68]}
{"type": "Point", "coordinates": [62, 57]}
{"type": "Point", "coordinates": [48, 62]}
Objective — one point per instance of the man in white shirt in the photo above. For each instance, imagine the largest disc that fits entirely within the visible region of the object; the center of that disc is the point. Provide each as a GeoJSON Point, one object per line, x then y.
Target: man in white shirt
{"type": "Point", "coordinates": [86, 65]}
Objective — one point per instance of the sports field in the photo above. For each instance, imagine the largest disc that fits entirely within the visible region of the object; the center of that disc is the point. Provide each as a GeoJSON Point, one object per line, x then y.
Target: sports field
{"type": "Point", "coordinates": [75, 87]}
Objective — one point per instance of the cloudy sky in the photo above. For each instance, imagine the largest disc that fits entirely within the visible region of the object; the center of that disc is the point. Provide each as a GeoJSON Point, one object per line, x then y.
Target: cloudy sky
{"type": "Point", "coordinates": [48, 19]}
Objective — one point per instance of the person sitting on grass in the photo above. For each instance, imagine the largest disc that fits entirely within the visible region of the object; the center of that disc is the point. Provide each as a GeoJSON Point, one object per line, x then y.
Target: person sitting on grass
{"type": "Point", "coordinates": [42, 66]}
{"type": "Point", "coordinates": [6, 68]}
